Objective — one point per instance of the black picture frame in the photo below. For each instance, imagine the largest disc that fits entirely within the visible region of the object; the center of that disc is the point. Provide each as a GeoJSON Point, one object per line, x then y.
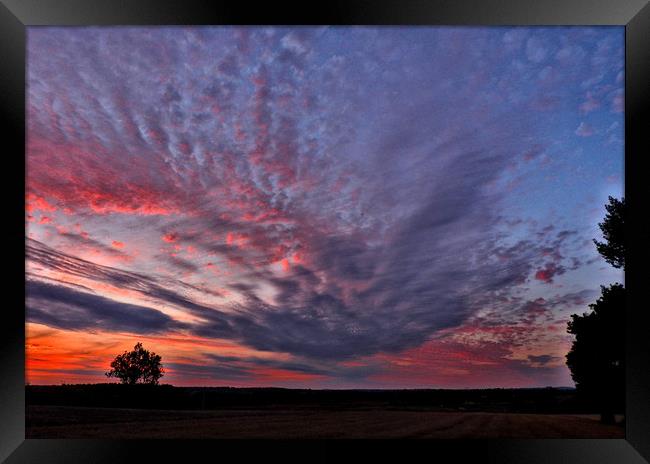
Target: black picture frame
{"type": "Point", "coordinates": [15, 15]}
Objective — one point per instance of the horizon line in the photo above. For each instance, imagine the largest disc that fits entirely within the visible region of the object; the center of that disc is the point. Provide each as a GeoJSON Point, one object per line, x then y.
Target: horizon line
{"type": "Point", "coordinates": [306, 388]}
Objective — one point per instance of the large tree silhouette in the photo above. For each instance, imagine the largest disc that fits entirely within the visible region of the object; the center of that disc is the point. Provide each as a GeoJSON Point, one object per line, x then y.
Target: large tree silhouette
{"type": "Point", "coordinates": [137, 366]}
{"type": "Point", "coordinates": [597, 356]}
{"type": "Point", "coordinates": [613, 249]}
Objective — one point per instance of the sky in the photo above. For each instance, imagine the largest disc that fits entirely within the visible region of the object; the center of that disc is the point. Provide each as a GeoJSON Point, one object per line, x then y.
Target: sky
{"type": "Point", "coordinates": [318, 207]}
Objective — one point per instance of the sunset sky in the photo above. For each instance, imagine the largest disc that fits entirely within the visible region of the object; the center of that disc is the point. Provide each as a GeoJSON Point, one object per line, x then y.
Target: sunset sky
{"type": "Point", "coordinates": [321, 207]}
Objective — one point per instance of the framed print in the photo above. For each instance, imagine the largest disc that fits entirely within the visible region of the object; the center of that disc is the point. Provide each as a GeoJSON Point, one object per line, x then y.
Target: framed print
{"type": "Point", "coordinates": [379, 226]}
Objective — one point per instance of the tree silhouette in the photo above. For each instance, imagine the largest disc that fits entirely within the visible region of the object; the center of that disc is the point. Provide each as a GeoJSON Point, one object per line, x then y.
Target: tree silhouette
{"type": "Point", "coordinates": [613, 249]}
{"type": "Point", "coordinates": [597, 356]}
{"type": "Point", "coordinates": [137, 366]}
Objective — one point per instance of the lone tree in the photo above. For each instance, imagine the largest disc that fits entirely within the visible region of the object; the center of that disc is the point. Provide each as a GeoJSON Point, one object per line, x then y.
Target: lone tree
{"type": "Point", "coordinates": [137, 366]}
{"type": "Point", "coordinates": [597, 356]}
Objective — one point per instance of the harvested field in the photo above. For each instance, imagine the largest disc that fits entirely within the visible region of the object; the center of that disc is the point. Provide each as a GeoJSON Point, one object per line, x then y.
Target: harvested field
{"type": "Point", "coordinates": [82, 422]}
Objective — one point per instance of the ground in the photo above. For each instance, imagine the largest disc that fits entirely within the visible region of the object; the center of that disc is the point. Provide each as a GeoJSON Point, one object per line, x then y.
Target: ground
{"type": "Point", "coordinates": [85, 422]}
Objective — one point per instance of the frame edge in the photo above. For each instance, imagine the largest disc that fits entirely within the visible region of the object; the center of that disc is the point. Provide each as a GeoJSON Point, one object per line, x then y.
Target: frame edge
{"type": "Point", "coordinates": [637, 102]}
{"type": "Point", "coordinates": [12, 107]}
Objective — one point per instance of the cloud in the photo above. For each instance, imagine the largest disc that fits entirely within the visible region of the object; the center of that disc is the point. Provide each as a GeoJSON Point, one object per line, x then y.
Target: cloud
{"type": "Point", "coordinates": [351, 197]}
{"type": "Point", "coordinates": [590, 104]}
{"type": "Point", "coordinates": [84, 240]}
{"type": "Point", "coordinates": [35, 203]}
{"type": "Point", "coordinates": [161, 289]}
{"type": "Point", "coordinates": [535, 50]}
{"type": "Point", "coordinates": [212, 372]}
{"type": "Point", "coordinates": [182, 264]}
{"type": "Point", "coordinates": [70, 309]}
{"type": "Point", "coordinates": [547, 274]}
{"type": "Point", "coordinates": [584, 130]}
{"type": "Point", "coordinates": [248, 369]}
{"type": "Point", "coordinates": [360, 307]}
{"type": "Point", "coordinates": [618, 102]}
{"type": "Point", "coordinates": [542, 359]}
{"type": "Point", "coordinates": [170, 237]}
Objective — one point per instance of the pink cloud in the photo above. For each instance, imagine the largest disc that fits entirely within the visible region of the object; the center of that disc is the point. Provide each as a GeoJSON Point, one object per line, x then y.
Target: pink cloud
{"type": "Point", "coordinates": [547, 274]}
{"type": "Point", "coordinates": [590, 104]}
{"type": "Point", "coordinates": [35, 203]}
{"type": "Point", "coordinates": [170, 237]}
{"type": "Point", "coordinates": [76, 177]}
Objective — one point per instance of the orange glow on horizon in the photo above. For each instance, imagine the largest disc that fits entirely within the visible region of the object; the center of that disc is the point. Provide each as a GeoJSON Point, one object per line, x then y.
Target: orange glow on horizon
{"type": "Point", "coordinates": [62, 356]}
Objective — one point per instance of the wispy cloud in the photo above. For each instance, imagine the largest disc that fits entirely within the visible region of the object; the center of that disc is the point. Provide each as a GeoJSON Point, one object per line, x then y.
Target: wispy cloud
{"type": "Point", "coordinates": [67, 308]}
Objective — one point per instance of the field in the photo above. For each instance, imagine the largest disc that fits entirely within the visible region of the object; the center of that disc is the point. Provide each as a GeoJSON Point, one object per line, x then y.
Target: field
{"type": "Point", "coordinates": [80, 422]}
{"type": "Point", "coordinates": [122, 411]}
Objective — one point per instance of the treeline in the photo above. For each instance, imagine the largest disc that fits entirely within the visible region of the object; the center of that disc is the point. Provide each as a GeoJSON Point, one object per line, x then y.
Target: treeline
{"type": "Point", "coordinates": [534, 400]}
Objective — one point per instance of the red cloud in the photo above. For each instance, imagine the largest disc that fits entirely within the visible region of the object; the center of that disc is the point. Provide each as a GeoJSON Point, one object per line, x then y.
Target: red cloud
{"type": "Point", "coordinates": [484, 356]}
{"type": "Point", "coordinates": [237, 239]}
{"type": "Point", "coordinates": [75, 177]}
{"type": "Point", "coordinates": [170, 237]}
{"type": "Point", "coordinates": [138, 200]}
{"type": "Point", "coordinates": [35, 203]}
{"type": "Point", "coordinates": [544, 275]}
{"type": "Point", "coordinates": [547, 273]}
{"type": "Point", "coordinates": [117, 244]}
